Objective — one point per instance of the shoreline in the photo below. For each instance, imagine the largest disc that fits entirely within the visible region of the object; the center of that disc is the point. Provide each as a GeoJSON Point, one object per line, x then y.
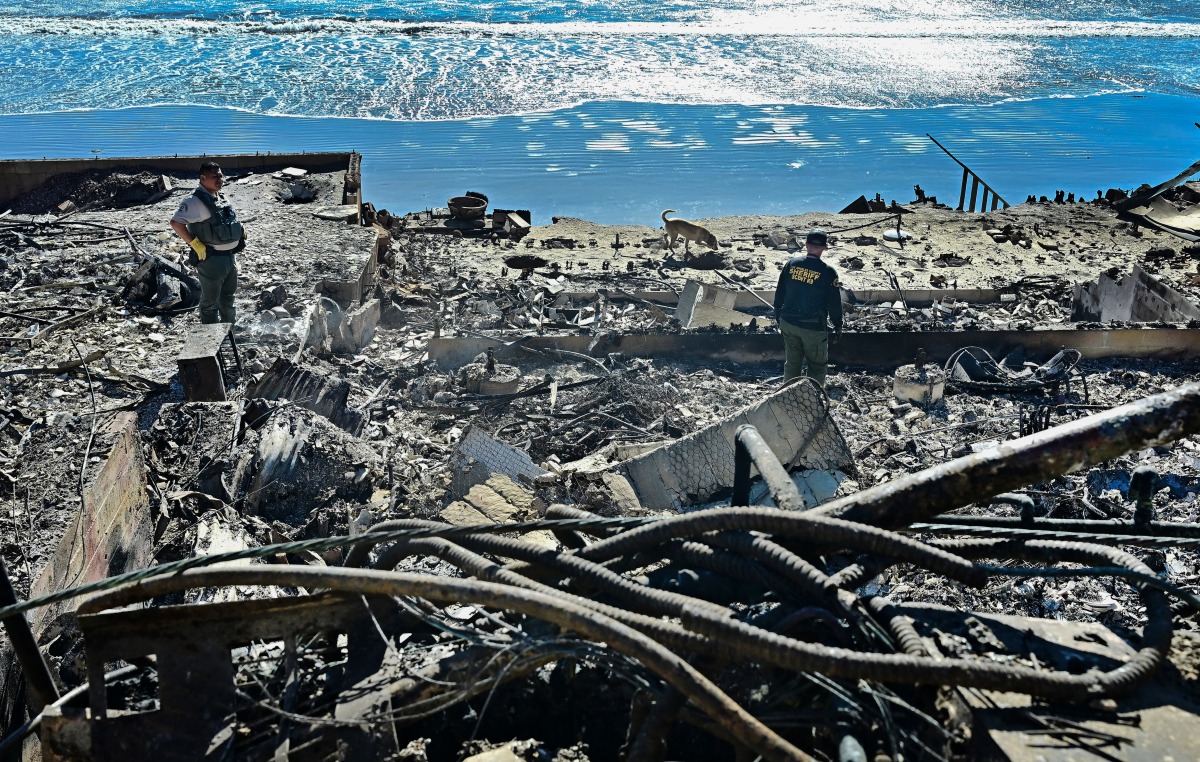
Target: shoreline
{"type": "Point", "coordinates": [624, 162]}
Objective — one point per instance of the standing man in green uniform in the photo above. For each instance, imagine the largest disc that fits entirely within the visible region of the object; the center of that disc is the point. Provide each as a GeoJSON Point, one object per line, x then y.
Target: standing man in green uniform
{"type": "Point", "coordinates": [807, 300]}
{"type": "Point", "coordinates": [206, 222]}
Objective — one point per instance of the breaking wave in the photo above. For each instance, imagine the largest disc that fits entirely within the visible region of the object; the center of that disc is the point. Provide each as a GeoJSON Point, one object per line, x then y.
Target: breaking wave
{"type": "Point", "coordinates": [454, 59]}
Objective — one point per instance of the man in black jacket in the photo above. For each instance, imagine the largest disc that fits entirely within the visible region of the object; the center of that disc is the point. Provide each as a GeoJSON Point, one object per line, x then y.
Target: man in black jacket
{"type": "Point", "coordinates": [807, 300]}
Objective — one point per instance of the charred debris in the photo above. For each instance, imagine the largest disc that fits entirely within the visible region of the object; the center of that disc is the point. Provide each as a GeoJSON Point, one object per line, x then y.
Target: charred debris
{"type": "Point", "coordinates": [457, 486]}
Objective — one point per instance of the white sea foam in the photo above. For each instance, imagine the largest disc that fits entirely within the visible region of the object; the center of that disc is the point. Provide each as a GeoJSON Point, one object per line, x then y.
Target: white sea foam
{"type": "Point", "coordinates": [721, 24]}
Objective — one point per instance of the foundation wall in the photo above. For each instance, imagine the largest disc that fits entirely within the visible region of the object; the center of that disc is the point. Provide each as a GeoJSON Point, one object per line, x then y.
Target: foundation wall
{"type": "Point", "coordinates": [19, 176]}
{"type": "Point", "coordinates": [863, 350]}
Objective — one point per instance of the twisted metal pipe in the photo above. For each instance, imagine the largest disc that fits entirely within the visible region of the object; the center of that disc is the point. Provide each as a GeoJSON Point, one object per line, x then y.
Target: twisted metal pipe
{"type": "Point", "coordinates": [668, 633]}
{"type": "Point", "coordinates": [775, 557]}
{"type": "Point", "coordinates": [729, 565]}
{"type": "Point", "coordinates": [804, 525]}
{"type": "Point", "coordinates": [1156, 633]}
{"type": "Point", "coordinates": [837, 662]}
{"type": "Point", "coordinates": [754, 643]}
{"type": "Point", "coordinates": [900, 627]}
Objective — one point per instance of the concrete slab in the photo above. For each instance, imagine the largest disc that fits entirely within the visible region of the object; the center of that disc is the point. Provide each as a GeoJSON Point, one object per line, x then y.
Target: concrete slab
{"type": "Point", "coordinates": [356, 328]}
{"type": "Point", "coordinates": [1153, 724]}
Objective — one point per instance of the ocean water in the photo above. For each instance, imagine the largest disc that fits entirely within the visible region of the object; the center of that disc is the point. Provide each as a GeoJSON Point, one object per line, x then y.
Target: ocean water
{"type": "Point", "coordinates": [615, 110]}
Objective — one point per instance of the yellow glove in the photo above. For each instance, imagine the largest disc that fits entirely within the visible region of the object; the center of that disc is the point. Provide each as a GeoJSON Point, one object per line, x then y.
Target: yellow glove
{"type": "Point", "coordinates": [199, 247]}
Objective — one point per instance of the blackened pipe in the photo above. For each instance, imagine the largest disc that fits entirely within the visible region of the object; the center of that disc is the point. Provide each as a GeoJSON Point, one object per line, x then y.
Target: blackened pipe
{"type": "Point", "coordinates": [751, 447]}
{"type": "Point", "coordinates": [663, 631]}
{"type": "Point", "coordinates": [801, 524]}
{"type": "Point", "coordinates": [1039, 457]}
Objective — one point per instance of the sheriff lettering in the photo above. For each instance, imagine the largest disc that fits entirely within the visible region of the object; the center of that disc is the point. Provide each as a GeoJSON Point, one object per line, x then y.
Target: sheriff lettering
{"type": "Point", "coordinates": [804, 275]}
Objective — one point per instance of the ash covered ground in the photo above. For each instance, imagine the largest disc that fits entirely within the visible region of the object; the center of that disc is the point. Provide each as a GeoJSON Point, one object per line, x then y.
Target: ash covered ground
{"type": "Point", "coordinates": [396, 461]}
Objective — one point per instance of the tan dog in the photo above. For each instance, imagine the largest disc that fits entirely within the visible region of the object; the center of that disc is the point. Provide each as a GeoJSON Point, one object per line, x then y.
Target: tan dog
{"type": "Point", "coordinates": [688, 231]}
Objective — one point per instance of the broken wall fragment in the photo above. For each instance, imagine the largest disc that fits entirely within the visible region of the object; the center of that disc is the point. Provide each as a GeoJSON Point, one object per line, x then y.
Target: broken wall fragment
{"type": "Point", "coordinates": [699, 467]}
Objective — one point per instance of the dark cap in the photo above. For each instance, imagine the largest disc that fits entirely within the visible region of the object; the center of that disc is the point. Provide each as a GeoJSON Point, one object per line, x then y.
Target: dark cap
{"type": "Point", "coordinates": [817, 238]}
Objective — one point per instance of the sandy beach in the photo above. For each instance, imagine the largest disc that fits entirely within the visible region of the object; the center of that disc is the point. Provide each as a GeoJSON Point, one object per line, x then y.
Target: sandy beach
{"type": "Point", "coordinates": [1075, 242]}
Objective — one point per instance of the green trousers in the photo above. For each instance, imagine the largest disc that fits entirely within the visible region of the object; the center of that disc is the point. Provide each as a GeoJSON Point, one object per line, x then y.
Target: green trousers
{"type": "Point", "coordinates": [218, 282]}
{"type": "Point", "coordinates": [801, 345]}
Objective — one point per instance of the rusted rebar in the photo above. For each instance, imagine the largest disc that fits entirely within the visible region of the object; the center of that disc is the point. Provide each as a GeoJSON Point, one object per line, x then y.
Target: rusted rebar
{"type": "Point", "coordinates": [671, 668]}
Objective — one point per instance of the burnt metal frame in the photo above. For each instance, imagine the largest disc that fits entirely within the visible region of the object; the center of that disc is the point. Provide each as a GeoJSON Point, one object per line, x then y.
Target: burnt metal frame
{"type": "Point", "coordinates": [976, 181]}
{"type": "Point", "coordinates": [40, 686]}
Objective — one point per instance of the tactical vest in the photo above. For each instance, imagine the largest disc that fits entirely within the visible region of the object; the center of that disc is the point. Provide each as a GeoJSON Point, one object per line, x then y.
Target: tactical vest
{"type": "Point", "coordinates": [221, 227]}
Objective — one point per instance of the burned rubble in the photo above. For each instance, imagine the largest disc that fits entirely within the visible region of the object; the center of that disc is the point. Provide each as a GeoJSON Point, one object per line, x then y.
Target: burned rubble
{"type": "Point", "coordinates": [463, 486]}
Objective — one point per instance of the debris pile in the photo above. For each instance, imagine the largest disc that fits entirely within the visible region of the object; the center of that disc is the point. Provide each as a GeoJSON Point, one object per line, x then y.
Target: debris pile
{"type": "Point", "coordinates": [456, 490]}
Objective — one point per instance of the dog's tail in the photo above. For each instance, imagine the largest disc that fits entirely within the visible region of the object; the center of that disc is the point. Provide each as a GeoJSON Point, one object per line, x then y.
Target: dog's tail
{"type": "Point", "coordinates": [664, 214]}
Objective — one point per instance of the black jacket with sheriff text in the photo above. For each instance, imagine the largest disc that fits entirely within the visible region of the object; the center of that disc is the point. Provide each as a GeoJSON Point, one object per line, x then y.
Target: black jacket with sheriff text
{"type": "Point", "coordinates": [808, 294]}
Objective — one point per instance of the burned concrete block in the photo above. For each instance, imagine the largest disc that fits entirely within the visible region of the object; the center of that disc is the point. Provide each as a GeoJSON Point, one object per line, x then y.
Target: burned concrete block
{"type": "Point", "coordinates": [483, 377]}
{"type": "Point", "coordinates": [356, 328]}
{"type": "Point", "coordinates": [688, 298]}
{"type": "Point", "coordinates": [707, 304]}
{"type": "Point", "coordinates": [208, 362]}
{"type": "Point", "coordinates": [698, 468]}
{"type": "Point", "coordinates": [317, 336]}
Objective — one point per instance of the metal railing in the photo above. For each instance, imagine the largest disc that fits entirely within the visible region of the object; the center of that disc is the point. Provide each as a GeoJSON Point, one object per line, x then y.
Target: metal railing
{"type": "Point", "coordinates": [976, 183]}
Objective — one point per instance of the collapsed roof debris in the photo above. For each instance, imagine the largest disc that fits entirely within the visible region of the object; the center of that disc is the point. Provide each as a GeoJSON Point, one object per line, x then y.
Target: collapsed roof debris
{"type": "Point", "coordinates": [1164, 208]}
{"type": "Point", "coordinates": [467, 488]}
